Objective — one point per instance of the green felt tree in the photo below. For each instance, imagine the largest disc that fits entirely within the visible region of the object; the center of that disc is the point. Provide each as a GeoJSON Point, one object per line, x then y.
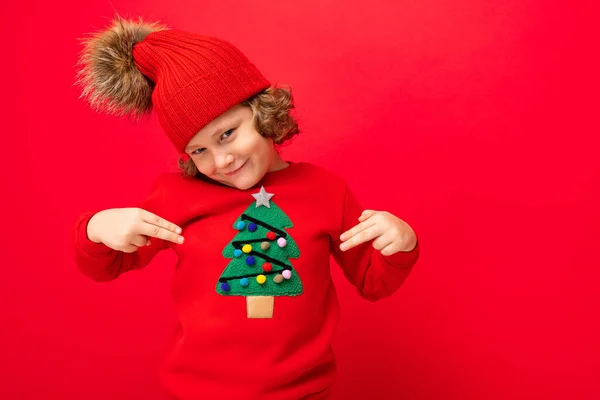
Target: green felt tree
{"type": "Point", "coordinates": [260, 253]}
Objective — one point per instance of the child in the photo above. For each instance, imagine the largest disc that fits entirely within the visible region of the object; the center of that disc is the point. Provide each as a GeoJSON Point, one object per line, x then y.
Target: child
{"type": "Point", "coordinates": [252, 286]}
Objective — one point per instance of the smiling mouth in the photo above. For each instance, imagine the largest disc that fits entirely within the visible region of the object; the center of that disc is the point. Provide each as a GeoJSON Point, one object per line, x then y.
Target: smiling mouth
{"type": "Point", "coordinates": [236, 171]}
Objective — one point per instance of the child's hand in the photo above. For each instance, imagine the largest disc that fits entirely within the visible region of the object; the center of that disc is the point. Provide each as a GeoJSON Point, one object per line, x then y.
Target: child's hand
{"type": "Point", "coordinates": [128, 229]}
{"type": "Point", "coordinates": [391, 234]}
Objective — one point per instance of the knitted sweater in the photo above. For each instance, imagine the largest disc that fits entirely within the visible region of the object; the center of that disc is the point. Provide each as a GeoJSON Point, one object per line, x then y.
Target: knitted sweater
{"type": "Point", "coordinates": [252, 287]}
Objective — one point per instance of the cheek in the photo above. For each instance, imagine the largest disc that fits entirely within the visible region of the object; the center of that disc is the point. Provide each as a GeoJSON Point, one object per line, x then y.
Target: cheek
{"type": "Point", "coordinates": [252, 147]}
{"type": "Point", "coordinates": [260, 154]}
{"type": "Point", "coordinates": [204, 167]}
{"type": "Point", "coordinates": [246, 145]}
{"type": "Point", "coordinates": [263, 146]}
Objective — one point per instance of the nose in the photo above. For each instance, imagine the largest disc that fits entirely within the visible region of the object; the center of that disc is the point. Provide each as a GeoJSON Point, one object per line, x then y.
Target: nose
{"type": "Point", "coordinates": [223, 160]}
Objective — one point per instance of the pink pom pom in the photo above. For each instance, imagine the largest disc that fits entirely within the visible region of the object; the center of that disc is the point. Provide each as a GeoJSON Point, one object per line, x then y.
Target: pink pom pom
{"type": "Point", "coordinates": [287, 274]}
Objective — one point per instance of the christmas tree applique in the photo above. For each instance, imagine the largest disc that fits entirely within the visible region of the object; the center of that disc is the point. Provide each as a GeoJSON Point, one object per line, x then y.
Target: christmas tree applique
{"type": "Point", "coordinates": [260, 255]}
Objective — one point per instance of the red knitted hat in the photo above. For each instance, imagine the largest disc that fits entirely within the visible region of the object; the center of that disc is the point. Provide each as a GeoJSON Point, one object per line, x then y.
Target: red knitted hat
{"type": "Point", "coordinates": [193, 78]}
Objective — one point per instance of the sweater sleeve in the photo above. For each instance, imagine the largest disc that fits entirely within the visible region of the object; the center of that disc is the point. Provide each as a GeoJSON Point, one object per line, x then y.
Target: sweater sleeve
{"type": "Point", "coordinates": [374, 275]}
{"type": "Point", "coordinates": [101, 263]}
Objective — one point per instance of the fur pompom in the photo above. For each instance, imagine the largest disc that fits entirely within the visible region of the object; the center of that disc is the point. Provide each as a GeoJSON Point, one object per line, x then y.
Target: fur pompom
{"type": "Point", "coordinates": [107, 74]}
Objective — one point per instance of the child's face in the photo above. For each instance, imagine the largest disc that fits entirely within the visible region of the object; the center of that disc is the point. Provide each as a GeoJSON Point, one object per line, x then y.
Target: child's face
{"type": "Point", "coordinates": [231, 151]}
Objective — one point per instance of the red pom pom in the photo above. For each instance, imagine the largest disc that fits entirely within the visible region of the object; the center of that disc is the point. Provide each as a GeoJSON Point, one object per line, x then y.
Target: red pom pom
{"type": "Point", "coordinates": [267, 267]}
{"type": "Point", "coordinates": [271, 235]}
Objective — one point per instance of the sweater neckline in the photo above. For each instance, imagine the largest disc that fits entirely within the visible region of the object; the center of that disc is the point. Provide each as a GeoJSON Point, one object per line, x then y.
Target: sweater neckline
{"type": "Point", "coordinates": [269, 176]}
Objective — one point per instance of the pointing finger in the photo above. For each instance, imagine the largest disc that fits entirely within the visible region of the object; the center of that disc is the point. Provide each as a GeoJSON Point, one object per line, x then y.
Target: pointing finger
{"type": "Point", "coordinates": [356, 229]}
{"type": "Point", "coordinates": [161, 233]}
{"type": "Point", "coordinates": [154, 219]}
{"type": "Point", "coordinates": [360, 237]}
{"type": "Point", "coordinates": [366, 215]}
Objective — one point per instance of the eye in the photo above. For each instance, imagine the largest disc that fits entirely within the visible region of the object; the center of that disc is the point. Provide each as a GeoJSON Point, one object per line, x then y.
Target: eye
{"type": "Point", "coordinates": [226, 134]}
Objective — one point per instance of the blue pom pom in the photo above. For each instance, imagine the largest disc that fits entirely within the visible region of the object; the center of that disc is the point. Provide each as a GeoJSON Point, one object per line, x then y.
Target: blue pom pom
{"type": "Point", "coordinates": [252, 227]}
{"type": "Point", "coordinates": [250, 260]}
{"type": "Point", "coordinates": [241, 225]}
{"type": "Point", "coordinates": [244, 282]}
{"type": "Point", "coordinates": [225, 287]}
{"type": "Point", "coordinates": [237, 252]}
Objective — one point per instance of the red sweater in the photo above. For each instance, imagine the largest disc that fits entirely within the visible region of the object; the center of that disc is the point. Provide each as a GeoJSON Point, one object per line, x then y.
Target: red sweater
{"type": "Point", "coordinates": [220, 352]}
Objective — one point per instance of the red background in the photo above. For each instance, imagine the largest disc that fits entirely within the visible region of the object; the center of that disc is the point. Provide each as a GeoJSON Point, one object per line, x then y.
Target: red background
{"type": "Point", "coordinates": [475, 121]}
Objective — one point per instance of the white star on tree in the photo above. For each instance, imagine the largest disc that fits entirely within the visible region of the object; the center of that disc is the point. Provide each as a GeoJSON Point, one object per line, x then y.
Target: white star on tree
{"type": "Point", "coordinates": [263, 198]}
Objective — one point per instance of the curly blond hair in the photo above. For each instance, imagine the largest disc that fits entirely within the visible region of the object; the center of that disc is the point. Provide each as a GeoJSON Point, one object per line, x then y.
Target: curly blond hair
{"type": "Point", "coordinates": [271, 111]}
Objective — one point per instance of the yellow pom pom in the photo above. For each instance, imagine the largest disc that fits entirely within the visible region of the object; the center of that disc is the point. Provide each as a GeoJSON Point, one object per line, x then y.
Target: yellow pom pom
{"type": "Point", "coordinates": [247, 248]}
{"type": "Point", "coordinates": [261, 279]}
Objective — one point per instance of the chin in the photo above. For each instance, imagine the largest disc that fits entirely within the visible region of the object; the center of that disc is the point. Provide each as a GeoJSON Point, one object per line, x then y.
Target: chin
{"type": "Point", "coordinates": [245, 181]}
{"type": "Point", "coordinates": [245, 184]}
{"type": "Point", "coordinates": [242, 182]}
{"type": "Point", "coordinates": [248, 180]}
{"type": "Point", "coordinates": [243, 187]}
